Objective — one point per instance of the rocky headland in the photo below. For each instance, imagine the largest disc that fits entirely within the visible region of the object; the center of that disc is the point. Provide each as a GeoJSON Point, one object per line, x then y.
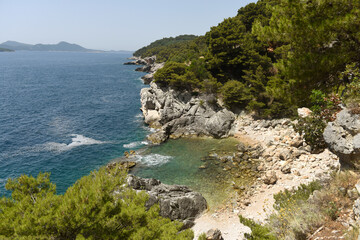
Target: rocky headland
{"type": "Point", "coordinates": [179, 113]}
{"type": "Point", "coordinates": [148, 65]}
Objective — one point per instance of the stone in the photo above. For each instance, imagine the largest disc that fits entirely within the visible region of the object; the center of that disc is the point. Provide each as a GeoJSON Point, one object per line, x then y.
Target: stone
{"type": "Point", "coordinates": [286, 169]}
{"type": "Point", "coordinates": [241, 147]}
{"type": "Point", "coordinates": [343, 138]}
{"type": "Point", "coordinates": [158, 137]}
{"type": "Point", "coordinates": [304, 112]}
{"type": "Point", "coordinates": [180, 114]}
{"type": "Point", "coordinates": [214, 234]}
{"type": "Point", "coordinates": [357, 186]}
{"type": "Point", "coordinates": [270, 178]}
{"type": "Point", "coordinates": [356, 209]}
{"type": "Point", "coordinates": [285, 154]}
{"type": "Point", "coordinates": [352, 194]}
{"type": "Point", "coordinates": [148, 78]}
{"type": "Point", "coordinates": [124, 165]}
{"type": "Point", "coordinates": [176, 202]}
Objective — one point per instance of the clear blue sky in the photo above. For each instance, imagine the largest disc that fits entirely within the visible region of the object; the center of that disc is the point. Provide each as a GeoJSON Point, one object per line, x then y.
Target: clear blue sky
{"type": "Point", "coordinates": [110, 24]}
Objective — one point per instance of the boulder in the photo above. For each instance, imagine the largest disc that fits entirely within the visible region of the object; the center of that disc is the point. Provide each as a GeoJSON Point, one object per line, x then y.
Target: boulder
{"type": "Point", "coordinates": [148, 78]}
{"type": "Point", "coordinates": [270, 178]}
{"type": "Point", "coordinates": [219, 124]}
{"type": "Point", "coordinates": [176, 202]}
{"type": "Point", "coordinates": [158, 137]}
{"type": "Point", "coordinates": [214, 234]}
{"type": "Point", "coordinates": [356, 209]}
{"type": "Point", "coordinates": [343, 138]}
{"type": "Point", "coordinates": [304, 112]}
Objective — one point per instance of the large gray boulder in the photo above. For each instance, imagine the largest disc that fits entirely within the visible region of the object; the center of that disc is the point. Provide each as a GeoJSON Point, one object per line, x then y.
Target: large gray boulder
{"type": "Point", "coordinates": [343, 137]}
{"type": "Point", "coordinates": [181, 114]}
{"type": "Point", "coordinates": [176, 202]}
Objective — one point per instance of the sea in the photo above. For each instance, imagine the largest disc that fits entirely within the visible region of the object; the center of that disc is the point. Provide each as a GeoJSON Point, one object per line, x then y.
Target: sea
{"type": "Point", "coordinates": [69, 113]}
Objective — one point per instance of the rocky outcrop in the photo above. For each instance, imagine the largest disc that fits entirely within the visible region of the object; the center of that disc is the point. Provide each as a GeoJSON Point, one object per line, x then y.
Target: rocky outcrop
{"type": "Point", "coordinates": [343, 137]}
{"type": "Point", "coordinates": [179, 114]}
{"type": "Point", "coordinates": [214, 234]}
{"type": "Point", "coordinates": [150, 67]}
{"type": "Point", "coordinates": [176, 202]}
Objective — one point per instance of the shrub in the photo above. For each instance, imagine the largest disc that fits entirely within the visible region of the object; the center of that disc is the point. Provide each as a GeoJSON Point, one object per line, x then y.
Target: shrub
{"type": "Point", "coordinates": [258, 232]}
{"type": "Point", "coordinates": [235, 93]}
{"type": "Point", "coordinates": [98, 206]}
{"type": "Point", "coordinates": [202, 236]}
{"type": "Point", "coordinates": [303, 192]}
{"type": "Point", "coordinates": [312, 129]}
{"type": "Point", "coordinates": [351, 93]}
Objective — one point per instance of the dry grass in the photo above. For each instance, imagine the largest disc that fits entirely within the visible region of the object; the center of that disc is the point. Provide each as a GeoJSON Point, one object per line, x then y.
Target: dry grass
{"type": "Point", "coordinates": [326, 209]}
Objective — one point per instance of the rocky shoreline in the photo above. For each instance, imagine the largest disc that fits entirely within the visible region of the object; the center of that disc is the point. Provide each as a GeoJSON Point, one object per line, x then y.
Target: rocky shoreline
{"type": "Point", "coordinates": [284, 160]}
{"type": "Point", "coordinates": [177, 114]}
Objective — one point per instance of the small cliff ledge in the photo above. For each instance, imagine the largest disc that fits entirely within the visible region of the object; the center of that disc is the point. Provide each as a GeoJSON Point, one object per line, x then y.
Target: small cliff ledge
{"type": "Point", "coordinates": [176, 114]}
{"type": "Point", "coordinates": [176, 202]}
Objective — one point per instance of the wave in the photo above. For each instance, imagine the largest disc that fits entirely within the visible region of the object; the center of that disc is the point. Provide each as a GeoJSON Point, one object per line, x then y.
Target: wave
{"type": "Point", "coordinates": [135, 144]}
{"type": "Point", "coordinates": [153, 159]}
{"type": "Point", "coordinates": [77, 140]}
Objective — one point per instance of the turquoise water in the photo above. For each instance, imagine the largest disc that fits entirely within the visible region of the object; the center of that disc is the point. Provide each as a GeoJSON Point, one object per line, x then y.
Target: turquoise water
{"type": "Point", "coordinates": [184, 161]}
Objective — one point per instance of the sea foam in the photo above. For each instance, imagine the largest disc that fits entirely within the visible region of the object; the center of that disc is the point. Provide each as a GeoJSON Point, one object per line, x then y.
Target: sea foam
{"type": "Point", "coordinates": [153, 159]}
{"type": "Point", "coordinates": [77, 140]}
{"type": "Point", "coordinates": [135, 144]}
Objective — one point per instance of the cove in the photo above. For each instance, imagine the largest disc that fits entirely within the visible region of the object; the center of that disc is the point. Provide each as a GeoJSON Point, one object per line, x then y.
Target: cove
{"type": "Point", "coordinates": [192, 162]}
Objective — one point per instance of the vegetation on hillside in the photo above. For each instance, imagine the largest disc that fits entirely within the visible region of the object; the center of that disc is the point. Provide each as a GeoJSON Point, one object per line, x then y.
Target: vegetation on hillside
{"type": "Point", "coordinates": [301, 212]}
{"type": "Point", "coordinates": [179, 47]}
{"type": "Point", "coordinates": [270, 56]}
{"type": "Point", "coordinates": [6, 50]}
{"type": "Point", "coordinates": [98, 206]}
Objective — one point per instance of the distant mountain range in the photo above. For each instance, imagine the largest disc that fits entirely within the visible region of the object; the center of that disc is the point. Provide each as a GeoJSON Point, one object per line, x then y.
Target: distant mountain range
{"type": "Point", "coordinates": [61, 46]}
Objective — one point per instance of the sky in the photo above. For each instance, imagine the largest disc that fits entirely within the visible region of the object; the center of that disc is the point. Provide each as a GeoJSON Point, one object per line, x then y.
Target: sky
{"type": "Point", "coordinates": [110, 24]}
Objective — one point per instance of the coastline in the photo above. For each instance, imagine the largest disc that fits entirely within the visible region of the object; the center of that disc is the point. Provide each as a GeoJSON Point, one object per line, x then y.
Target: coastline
{"type": "Point", "coordinates": [284, 162]}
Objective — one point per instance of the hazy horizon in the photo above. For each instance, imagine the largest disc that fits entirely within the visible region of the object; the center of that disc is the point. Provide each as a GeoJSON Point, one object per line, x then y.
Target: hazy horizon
{"type": "Point", "coordinates": [111, 24]}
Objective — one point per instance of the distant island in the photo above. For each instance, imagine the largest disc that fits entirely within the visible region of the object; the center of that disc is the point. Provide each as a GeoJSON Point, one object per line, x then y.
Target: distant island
{"type": "Point", "coordinates": [61, 46]}
{"type": "Point", "coordinates": [6, 50]}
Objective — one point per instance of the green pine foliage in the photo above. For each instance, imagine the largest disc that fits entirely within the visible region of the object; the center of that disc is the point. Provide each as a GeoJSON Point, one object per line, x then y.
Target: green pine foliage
{"type": "Point", "coordinates": [98, 206]}
{"type": "Point", "coordinates": [277, 51]}
{"type": "Point", "coordinates": [314, 40]}
{"type": "Point", "coordinates": [178, 49]}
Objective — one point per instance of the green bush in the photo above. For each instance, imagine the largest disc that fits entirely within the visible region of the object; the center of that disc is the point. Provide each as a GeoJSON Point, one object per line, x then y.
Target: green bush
{"type": "Point", "coordinates": [312, 129]}
{"type": "Point", "coordinates": [258, 232]}
{"type": "Point", "coordinates": [351, 93]}
{"type": "Point", "coordinates": [202, 236]}
{"type": "Point", "coordinates": [98, 206]}
{"type": "Point", "coordinates": [303, 192]}
{"type": "Point", "coordinates": [235, 93]}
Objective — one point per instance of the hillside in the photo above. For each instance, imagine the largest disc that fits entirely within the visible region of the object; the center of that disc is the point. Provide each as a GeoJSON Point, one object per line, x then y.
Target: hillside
{"type": "Point", "coordinates": [6, 50]}
{"type": "Point", "coordinates": [61, 46]}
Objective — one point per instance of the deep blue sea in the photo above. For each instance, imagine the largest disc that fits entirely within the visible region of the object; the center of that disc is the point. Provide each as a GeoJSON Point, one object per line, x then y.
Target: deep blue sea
{"type": "Point", "coordinates": [66, 113]}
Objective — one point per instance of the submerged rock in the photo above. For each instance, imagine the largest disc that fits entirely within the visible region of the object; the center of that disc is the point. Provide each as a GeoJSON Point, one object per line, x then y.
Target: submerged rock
{"type": "Point", "coordinates": [343, 137]}
{"type": "Point", "coordinates": [176, 202]}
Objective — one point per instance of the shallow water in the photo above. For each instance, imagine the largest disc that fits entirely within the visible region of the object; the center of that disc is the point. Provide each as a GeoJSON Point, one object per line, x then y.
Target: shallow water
{"type": "Point", "coordinates": [178, 162]}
